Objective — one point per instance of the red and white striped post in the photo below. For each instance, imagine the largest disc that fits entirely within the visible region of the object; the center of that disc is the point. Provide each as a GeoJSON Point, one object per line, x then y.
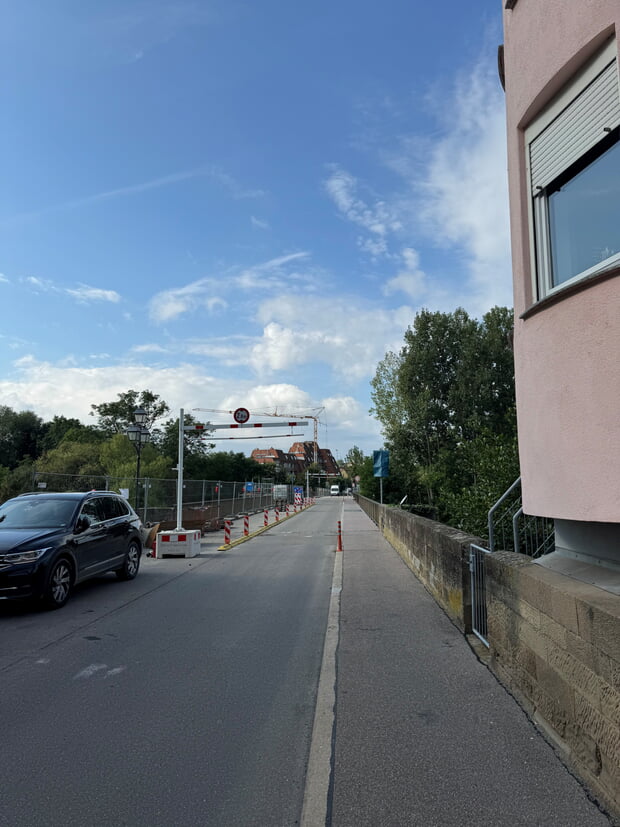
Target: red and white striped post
{"type": "Point", "coordinates": [339, 546]}
{"type": "Point", "coordinates": [227, 525]}
{"type": "Point", "coordinates": [287, 509]}
{"type": "Point", "coordinates": [277, 514]}
{"type": "Point", "coordinates": [246, 525]}
{"type": "Point", "coordinates": [266, 518]}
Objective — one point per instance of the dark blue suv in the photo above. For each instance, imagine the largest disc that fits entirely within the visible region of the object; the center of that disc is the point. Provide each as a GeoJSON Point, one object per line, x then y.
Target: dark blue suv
{"type": "Point", "coordinates": [51, 542]}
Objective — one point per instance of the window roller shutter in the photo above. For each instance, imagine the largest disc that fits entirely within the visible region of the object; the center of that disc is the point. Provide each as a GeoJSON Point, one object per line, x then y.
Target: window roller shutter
{"type": "Point", "coordinates": [576, 129]}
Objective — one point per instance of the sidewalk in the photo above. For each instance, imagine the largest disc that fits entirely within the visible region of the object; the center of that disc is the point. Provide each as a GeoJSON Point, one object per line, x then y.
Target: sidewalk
{"type": "Point", "coordinates": [425, 735]}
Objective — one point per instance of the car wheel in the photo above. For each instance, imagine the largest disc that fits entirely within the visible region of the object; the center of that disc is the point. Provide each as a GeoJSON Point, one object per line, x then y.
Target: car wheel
{"type": "Point", "coordinates": [58, 588]}
{"type": "Point", "coordinates": [131, 564]}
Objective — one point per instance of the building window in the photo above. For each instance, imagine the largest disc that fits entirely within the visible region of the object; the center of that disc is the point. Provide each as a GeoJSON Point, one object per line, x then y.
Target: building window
{"type": "Point", "coordinates": [574, 170]}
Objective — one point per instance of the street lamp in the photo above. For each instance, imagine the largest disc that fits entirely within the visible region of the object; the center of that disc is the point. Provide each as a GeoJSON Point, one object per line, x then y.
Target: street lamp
{"type": "Point", "coordinates": [138, 435]}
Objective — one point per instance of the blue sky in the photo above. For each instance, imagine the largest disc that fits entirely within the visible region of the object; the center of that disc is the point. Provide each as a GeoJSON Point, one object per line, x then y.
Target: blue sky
{"type": "Point", "coordinates": [242, 204]}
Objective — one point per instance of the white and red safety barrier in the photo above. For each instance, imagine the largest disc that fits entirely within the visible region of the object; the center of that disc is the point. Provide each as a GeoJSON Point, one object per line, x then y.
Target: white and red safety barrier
{"type": "Point", "coordinates": [266, 518]}
{"type": "Point", "coordinates": [277, 514]}
{"type": "Point", "coordinates": [227, 525]}
{"type": "Point", "coordinates": [246, 525]}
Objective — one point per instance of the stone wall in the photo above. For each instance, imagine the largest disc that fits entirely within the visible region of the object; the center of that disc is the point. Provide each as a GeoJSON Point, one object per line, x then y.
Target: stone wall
{"type": "Point", "coordinates": [554, 641]}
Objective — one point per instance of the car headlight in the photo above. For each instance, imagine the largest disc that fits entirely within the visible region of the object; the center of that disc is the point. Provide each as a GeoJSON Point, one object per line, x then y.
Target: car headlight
{"type": "Point", "coordinates": [23, 556]}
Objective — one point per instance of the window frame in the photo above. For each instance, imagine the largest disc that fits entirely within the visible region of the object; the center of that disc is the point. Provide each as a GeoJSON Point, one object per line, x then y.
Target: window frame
{"type": "Point", "coordinates": [538, 203]}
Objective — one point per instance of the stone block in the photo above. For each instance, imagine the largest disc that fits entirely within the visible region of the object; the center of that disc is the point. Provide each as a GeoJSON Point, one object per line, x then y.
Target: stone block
{"type": "Point", "coordinates": [610, 704]}
{"type": "Point", "coordinates": [599, 728]}
{"type": "Point", "coordinates": [583, 651]}
{"type": "Point", "coordinates": [551, 710]}
{"type": "Point", "coordinates": [556, 688]}
{"type": "Point", "coordinates": [576, 674]}
{"type": "Point", "coordinates": [553, 630]}
{"type": "Point", "coordinates": [584, 750]}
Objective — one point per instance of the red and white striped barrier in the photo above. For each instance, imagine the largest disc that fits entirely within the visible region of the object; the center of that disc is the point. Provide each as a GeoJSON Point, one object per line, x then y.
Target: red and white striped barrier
{"type": "Point", "coordinates": [277, 514]}
{"type": "Point", "coordinates": [246, 525]}
{"type": "Point", "coordinates": [227, 525]}
{"type": "Point", "coordinates": [266, 518]}
{"type": "Point", "coordinates": [287, 509]}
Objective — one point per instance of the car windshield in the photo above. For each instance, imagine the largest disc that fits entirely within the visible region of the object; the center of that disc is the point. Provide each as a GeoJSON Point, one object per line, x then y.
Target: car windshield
{"type": "Point", "coordinates": [35, 513]}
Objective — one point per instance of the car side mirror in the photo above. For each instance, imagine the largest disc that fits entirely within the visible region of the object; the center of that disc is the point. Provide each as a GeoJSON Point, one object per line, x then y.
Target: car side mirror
{"type": "Point", "coordinates": [82, 524]}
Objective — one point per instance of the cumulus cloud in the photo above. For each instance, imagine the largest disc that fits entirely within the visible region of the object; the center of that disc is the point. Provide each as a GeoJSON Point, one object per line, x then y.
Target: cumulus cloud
{"type": "Point", "coordinates": [68, 389]}
{"type": "Point", "coordinates": [348, 335]}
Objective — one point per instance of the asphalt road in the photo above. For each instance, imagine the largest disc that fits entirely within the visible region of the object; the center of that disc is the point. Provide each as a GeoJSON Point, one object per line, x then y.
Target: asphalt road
{"type": "Point", "coordinates": [188, 697]}
{"type": "Point", "coordinates": [184, 697]}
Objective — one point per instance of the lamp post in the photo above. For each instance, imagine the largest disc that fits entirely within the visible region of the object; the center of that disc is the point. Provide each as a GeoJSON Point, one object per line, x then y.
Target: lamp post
{"type": "Point", "coordinates": [138, 435]}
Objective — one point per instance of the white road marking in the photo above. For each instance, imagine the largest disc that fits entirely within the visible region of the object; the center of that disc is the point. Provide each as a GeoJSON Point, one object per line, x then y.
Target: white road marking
{"type": "Point", "coordinates": [116, 671]}
{"type": "Point", "coordinates": [91, 670]}
{"type": "Point", "coordinates": [43, 660]}
{"type": "Point", "coordinates": [314, 811]}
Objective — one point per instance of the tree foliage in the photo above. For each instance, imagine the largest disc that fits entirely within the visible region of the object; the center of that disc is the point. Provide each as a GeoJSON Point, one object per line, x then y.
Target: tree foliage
{"type": "Point", "coordinates": [447, 409]}
{"type": "Point", "coordinates": [115, 417]}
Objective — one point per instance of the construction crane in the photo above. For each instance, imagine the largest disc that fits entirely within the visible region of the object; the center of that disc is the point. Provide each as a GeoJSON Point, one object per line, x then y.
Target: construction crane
{"type": "Point", "coordinates": [314, 417]}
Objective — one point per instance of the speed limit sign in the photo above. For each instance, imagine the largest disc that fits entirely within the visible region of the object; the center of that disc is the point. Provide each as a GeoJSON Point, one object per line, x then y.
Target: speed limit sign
{"type": "Point", "coordinates": [241, 415]}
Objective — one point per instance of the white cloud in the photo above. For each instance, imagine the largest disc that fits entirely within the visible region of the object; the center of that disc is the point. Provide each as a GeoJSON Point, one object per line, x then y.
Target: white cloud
{"type": "Point", "coordinates": [149, 348]}
{"type": "Point", "coordinates": [411, 280]}
{"type": "Point", "coordinates": [346, 334]}
{"type": "Point", "coordinates": [84, 294]}
{"type": "Point", "coordinates": [51, 389]}
{"type": "Point", "coordinates": [3, 279]}
{"type": "Point", "coordinates": [463, 193]}
{"type": "Point", "coordinates": [379, 219]}
{"type": "Point", "coordinates": [273, 274]}
{"type": "Point", "coordinates": [257, 222]}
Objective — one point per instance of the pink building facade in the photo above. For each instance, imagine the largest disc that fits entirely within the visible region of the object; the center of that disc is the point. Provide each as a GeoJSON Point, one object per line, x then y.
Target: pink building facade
{"type": "Point", "coordinates": [560, 70]}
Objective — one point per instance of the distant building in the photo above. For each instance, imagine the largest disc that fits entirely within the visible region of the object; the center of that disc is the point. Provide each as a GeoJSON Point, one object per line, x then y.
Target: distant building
{"type": "Point", "coordinates": [297, 459]}
{"type": "Point", "coordinates": [560, 67]}
{"type": "Point", "coordinates": [286, 462]}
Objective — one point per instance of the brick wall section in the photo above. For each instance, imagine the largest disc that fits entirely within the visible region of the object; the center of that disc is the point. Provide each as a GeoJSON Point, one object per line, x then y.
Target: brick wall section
{"type": "Point", "coordinates": [554, 641]}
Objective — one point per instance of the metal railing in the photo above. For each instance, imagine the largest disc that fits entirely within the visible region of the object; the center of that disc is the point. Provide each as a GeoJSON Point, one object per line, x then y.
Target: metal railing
{"type": "Point", "coordinates": [511, 529]}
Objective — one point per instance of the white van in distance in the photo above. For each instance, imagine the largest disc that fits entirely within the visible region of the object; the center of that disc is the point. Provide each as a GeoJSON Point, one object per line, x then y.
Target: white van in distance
{"type": "Point", "coordinates": [334, 491]}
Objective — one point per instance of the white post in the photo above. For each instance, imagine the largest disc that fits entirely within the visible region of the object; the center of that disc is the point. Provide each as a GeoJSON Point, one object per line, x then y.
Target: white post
{"type": "Point", "coordinates": [180, 473]}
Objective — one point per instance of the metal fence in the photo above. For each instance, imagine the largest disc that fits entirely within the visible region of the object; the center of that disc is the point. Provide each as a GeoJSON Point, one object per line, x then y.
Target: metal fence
{"type": "Point", "coordinates": [477, 561]}
{"type": "Point", "coordinates": [155, 499]}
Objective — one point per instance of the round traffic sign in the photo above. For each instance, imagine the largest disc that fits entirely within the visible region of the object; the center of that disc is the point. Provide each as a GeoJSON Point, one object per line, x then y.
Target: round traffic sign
{"type": "Point", "coordinates": [241, 415]}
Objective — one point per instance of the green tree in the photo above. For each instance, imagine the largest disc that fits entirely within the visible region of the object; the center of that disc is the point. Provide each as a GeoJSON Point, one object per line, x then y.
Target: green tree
{"type": "Point", "coordinates": [63, 428]}
{"type": "Point", "coordinates": [75, 458]}
{"type": "Point", "coordinates": [445, 402]}
{"type": "Point", "coordinates": [353, 462]}
{"type": "Point", "coordinates": [115, 417]}
{"type": "Point", "coordinates": [21, 436]}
